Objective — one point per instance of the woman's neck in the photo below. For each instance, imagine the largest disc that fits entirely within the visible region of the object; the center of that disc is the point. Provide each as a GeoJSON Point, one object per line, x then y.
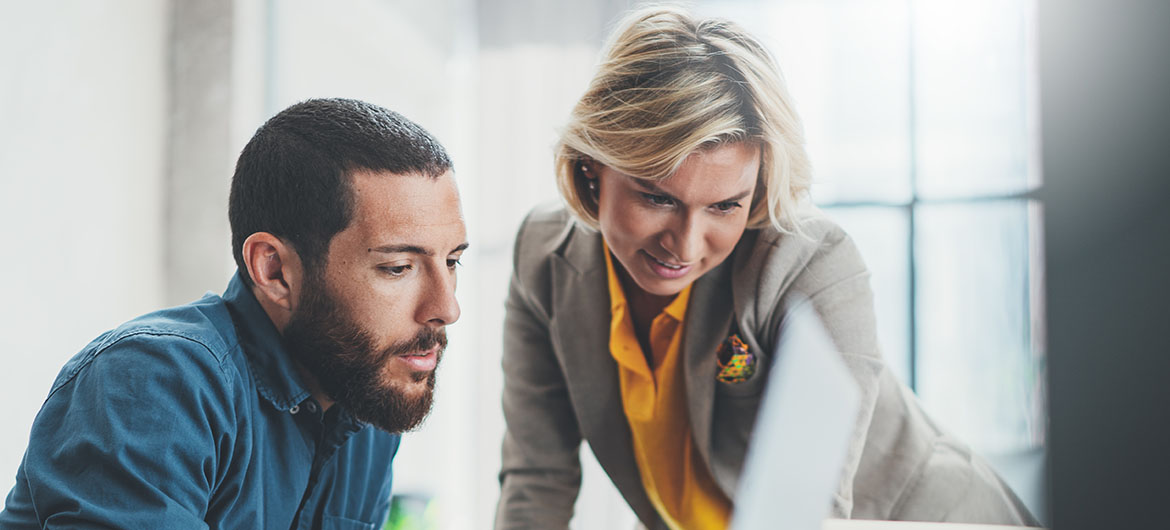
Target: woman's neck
{"type": "Point", "coordinates": [643, 307]}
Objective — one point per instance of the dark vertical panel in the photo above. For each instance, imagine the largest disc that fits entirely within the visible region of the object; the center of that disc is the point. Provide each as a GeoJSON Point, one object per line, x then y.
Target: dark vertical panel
{"type": "Point", "coordinates": [1105, 111]}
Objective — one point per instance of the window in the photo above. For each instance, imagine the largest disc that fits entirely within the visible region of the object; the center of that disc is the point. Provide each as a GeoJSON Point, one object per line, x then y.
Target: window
{"type": "Point", "coordinates": [919, 120]}
{"type": "Point", "coordinates": [918, 115]}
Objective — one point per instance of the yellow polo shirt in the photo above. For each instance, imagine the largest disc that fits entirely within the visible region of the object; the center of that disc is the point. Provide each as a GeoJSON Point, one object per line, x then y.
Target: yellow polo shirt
{"type": "Point", "coordinates": [654, 398]}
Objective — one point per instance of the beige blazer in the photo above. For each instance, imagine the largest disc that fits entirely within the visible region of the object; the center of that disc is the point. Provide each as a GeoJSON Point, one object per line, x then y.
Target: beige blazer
{"type": "Point", "coordinates": [561, 383]}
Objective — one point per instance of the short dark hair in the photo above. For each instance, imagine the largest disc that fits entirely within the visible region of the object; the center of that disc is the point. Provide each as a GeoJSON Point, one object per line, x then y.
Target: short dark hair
{"type": "Point", "coordinates": [291, 179]}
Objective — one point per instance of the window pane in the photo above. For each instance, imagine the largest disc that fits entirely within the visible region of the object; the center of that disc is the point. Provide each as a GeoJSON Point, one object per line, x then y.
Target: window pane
{"type": "Point", "coordinates": [978, 371]}
{"type": "Point", "coordinates": [881, 234]}
{"type": "Point", "coordinates": [846, 65]}
{"type": "Point", "coordinates": [971, 89]}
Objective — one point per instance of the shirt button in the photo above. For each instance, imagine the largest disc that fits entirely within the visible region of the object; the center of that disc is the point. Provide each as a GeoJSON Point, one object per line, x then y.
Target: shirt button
{"type": "Point", "coordinates": [311, 406]}
{"type": "Point", "coordinates": [295, 409]}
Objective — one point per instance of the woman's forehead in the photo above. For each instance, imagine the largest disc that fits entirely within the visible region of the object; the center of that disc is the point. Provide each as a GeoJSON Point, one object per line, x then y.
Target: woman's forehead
{"type": "Point", "coordinates": [711, 175]}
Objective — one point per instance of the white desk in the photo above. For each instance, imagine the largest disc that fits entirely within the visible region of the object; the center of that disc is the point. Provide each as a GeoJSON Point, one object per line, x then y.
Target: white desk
{"type": "Point", "coordinates": [854, 524]}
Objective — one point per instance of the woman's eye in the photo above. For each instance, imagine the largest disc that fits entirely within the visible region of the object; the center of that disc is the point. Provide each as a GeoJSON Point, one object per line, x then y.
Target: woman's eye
{"type": "Point", "coordinates": [657, 200]}
{"type": "Point", "coordinates": [727, 207]}
{"type": "Point", "coordinates": [397, 270]}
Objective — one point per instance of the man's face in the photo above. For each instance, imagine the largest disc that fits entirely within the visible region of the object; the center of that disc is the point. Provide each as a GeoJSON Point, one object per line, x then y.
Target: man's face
{"type": "Point", "coordinates": [370, 326]}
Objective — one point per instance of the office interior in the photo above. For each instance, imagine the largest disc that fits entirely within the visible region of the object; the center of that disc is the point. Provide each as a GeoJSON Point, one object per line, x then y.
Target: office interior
{"type": "Point", "coordinates": [1001, 165]}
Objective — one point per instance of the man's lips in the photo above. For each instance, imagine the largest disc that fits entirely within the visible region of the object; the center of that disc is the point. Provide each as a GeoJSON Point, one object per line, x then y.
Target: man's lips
{"type": "Point", "coordinates": [421, 361]}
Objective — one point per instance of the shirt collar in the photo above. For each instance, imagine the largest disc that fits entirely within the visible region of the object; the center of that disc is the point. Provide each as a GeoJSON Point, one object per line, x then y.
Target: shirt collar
{"type": "Point", "coordinates": [277, 378]}
{"type": "Point", "coordinates": [617, 297]}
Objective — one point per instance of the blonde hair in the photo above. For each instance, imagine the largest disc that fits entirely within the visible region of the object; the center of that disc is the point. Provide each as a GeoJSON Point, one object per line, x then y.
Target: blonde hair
{"type": "Point", "coordinates": [668, 85]}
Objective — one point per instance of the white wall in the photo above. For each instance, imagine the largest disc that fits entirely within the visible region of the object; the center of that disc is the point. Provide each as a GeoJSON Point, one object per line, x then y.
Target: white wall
{"type": "Point", "coordinates": [82, 141]}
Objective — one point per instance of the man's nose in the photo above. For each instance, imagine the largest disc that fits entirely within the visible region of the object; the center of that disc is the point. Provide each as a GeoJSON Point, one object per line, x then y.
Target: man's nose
{"type": "Point", "coordinates": [438, 305]}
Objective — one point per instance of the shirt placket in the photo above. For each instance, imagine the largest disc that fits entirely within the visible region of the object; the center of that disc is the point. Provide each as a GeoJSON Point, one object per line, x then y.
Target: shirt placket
{"type": "Point", "coordinates": [327, 436]}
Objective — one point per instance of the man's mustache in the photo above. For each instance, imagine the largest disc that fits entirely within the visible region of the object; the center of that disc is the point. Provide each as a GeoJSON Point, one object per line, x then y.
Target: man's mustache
{"type": "Point", "coordinates": [424, 340]}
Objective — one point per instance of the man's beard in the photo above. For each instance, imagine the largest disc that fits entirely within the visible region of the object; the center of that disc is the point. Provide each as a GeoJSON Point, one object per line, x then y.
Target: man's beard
{"type": "Point", "coordinates": [346, 363]}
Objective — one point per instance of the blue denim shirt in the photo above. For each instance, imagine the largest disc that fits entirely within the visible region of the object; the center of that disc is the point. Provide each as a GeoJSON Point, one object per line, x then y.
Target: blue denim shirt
{"type": "Point", "coordinates": [196, 417]}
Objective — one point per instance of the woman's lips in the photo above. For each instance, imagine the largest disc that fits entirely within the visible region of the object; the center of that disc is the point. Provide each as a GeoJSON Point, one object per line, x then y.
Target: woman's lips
{"type": "Point", "coordinates": [666, 270]}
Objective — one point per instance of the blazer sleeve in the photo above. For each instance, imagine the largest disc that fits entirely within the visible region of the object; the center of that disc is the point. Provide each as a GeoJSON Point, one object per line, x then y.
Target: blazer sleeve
{"type": "Point", "coordinates": [900, 465]}
{"type": "Point", "coordinates": [824, 269]}
{"type": "Point", "coordinates": [541, 471]}
{"type": "Point", "coordinates": [957, 486]}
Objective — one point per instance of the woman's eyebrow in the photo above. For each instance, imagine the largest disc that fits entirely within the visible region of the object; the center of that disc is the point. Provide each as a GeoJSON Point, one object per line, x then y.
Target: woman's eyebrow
{"type": "Point", "coordinates": [653, 188]}
{"type": "Point", "coordinates": [737, 196]}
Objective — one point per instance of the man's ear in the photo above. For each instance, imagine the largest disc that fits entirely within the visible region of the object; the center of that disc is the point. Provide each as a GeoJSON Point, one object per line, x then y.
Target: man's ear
{"type": "Point", "coordinates": [275, 269]}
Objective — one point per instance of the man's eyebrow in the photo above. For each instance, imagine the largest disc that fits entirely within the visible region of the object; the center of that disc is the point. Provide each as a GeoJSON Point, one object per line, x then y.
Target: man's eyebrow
{"type": "Point", "coordinates": [411, 249]}
{"type": "Point", "coordinates": [402, 249]}
{"type": "Point", "coordinates": [653, 188]}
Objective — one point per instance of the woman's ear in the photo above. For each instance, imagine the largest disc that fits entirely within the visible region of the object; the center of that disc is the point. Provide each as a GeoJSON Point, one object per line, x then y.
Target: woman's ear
{"type": "Point", "coordinates": [589, 171]}
{"type": "Point", "coordinates": [275, 269]}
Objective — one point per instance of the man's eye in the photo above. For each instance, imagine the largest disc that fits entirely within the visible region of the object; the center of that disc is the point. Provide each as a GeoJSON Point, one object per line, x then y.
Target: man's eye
{"type": "Point", "coordinates": [452, 263]}
{"type": "Point", "coordinates": [657, 200]}
{"type": "Point", "coordinates": [397, 270]}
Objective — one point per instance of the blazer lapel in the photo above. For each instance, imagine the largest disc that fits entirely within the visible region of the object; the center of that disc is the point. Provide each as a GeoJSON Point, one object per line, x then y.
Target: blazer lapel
{"type": "Point", "coordinates": [580, 331]}
{"type": "Point", "coordinates": [708, 320]}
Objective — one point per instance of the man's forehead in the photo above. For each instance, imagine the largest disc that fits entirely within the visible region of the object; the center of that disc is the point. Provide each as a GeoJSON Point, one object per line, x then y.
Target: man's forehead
{"type": "Point", "coordinates": [409, 209]}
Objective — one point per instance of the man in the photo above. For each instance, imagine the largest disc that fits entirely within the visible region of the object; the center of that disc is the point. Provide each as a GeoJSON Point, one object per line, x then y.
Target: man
{"type": "Point", "coordinates": [277, 405]}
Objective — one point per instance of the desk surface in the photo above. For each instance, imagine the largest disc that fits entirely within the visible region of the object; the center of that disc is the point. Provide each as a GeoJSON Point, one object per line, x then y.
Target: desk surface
{"type": "Point", "coordinates": [854, 524]}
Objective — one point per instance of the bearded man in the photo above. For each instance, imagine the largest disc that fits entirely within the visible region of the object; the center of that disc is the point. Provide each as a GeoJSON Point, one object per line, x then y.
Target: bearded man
{"type": "Point", "coordinates": [279, 404]}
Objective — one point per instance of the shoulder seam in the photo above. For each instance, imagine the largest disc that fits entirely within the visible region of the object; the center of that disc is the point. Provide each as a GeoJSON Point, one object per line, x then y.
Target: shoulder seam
{"type": "Point", "coordinates": [219, 362]}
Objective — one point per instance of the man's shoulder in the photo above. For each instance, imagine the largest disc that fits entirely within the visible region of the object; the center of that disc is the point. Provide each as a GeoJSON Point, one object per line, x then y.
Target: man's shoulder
{"type": "Point", "coordinates": [192, 338]}
{"type": "Point", "coordinates": [206, 322]}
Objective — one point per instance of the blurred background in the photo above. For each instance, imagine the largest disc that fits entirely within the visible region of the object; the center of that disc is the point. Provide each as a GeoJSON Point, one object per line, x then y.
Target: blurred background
{"type": "Point", "coordinates": [120, 122]}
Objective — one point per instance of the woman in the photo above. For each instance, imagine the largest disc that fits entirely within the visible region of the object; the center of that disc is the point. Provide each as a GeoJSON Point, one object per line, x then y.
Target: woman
{"type": "Point", "coordinates": [643, 319]}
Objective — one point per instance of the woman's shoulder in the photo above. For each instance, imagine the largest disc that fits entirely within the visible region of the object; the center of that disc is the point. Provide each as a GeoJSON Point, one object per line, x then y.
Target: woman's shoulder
{"type": "Point", "coordinates": [543, 223]}
{"type": "Point", "coordinates": [549, 233]}
{"type": "Point", "coordinates": [817, 239]}
{"type": "Point", "coordinates": [814, 229]}
{"type": "Point", "coordinates": [545, 231]}
{"type": "Point", "coordinates": [774, 270]}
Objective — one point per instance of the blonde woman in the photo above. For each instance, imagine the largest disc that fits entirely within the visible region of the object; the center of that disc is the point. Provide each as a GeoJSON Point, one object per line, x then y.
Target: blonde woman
{"type": "Point", "coordinates": [642, 319]}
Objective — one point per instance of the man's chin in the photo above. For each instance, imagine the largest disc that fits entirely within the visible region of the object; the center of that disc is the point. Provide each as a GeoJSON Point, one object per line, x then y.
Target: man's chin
{"type": "Point", "coordinates": [401, 408]}
{"type": "Point", "coordinates": [415, 390]}
{"type": "Point", "coordinates": [399, 424]}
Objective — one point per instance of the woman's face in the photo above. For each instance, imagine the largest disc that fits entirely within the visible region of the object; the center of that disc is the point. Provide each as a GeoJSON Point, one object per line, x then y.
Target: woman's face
{"type": "Point", "coordinates": [666, 234]}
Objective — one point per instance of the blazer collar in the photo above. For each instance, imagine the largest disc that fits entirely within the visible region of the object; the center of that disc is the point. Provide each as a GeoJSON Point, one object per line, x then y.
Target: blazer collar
{"type": "Point", "coordinates": [709, 319]}
{"type": "Point", "coordinates": [581, 330]}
